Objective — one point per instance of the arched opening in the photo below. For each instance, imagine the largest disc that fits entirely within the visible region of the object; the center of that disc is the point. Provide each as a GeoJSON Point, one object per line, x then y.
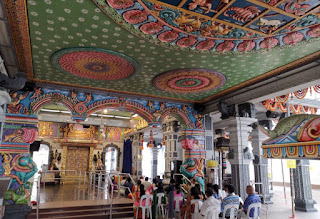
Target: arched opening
{"type": "Point", "coordinates": [111, 157]}
{"type": "Point", "coordinates": [41, 158]}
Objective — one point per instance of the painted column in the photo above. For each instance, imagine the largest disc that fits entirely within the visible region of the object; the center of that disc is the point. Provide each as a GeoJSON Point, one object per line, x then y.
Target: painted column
{"type": "Point", "coordinates": [239, 155]}
{"type": "Point", "coordinates": [192, 141]}
{"type": "Point", "coordinates": [303, 190]}
{"type": "Point", "coordinates": [260, 164]}
{"type": "Point", "coordinates": [19, 132]}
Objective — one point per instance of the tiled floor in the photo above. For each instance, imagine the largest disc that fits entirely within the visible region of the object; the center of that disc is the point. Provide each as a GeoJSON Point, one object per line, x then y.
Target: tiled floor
{"type": "Point", "coordinates": [282, 210]}
{"type": "Point", "coordinates": [55, 196]}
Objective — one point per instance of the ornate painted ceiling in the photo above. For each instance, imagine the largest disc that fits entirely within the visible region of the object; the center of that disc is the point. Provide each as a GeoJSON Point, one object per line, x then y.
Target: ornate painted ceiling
{"type": "Point", "coordinates": [184, 50]}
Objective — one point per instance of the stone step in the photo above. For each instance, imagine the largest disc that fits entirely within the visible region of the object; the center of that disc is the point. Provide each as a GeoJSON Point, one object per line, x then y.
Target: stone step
{"type": "Point", "coordinates": [125, 214]}
{"type": "Point", "coordinates": [99, 211]}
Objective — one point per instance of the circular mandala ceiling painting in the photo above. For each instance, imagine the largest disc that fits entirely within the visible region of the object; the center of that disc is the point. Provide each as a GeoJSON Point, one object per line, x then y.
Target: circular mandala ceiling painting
{"type": "Point", "coordinates": [218, 26]}
{"type": "Point", "coordinates": [94, 63]}
{"type": "Point", "coordinates": [189, 80]}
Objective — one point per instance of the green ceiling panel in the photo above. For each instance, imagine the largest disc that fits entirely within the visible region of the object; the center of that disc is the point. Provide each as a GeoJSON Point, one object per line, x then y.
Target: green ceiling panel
{"type": "Point", "coordinates": [58, 24]}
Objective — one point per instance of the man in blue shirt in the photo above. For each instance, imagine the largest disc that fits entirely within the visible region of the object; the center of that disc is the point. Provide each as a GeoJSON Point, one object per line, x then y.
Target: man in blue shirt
{"type": "Point", "coordinates": [232, 198]}
{"type": "Point", "coordinates": [251, 199]}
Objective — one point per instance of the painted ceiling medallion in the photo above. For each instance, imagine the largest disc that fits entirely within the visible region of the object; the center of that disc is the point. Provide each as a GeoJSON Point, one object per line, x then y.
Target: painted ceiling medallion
{"type": "Point", "coordinates": [94, 63]}
{"type": "Point", "coordinates": [189, 80]}
{"type": "Point", "coordinates": [239, 25]}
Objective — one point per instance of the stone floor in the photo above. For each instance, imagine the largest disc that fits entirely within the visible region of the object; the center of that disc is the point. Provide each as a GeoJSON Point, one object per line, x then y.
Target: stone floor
{"type": "Point", "coordinates": [282, 210]}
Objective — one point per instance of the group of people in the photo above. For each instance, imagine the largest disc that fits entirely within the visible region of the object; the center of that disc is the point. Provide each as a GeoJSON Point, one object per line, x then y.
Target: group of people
{"type": "Point", "coordinates": [212, 197]}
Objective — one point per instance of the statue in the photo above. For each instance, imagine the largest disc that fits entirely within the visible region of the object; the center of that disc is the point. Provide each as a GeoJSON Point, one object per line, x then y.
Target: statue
{"type": "Point", "coordinates": [15, 106]}
{"type": "Point", "coordinates": [288, 125]}
{"type": "Point", "coordinates": [99, 162]}
{"type": "Point", "coordinates": [7, 168]}
{"type": "Point", "coordinates": [20, 168]}
{"type": "Point", "coordinates": [193, 169]}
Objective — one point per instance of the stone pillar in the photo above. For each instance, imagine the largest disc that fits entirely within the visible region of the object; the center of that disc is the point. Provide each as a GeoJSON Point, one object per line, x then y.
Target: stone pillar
{"type": "Point", "coordinates": [209, 147]}
{"type": "Point", "coordinates": [155, 152]}
{"type": "Point", "coordinates": [302, 185]}
{"type": "Point", "coordinates": [239, 156]}
{"type": "Point", "coordinates": [260, 164]}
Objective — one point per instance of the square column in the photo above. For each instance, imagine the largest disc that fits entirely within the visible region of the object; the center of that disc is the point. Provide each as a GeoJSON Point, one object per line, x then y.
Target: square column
{"type": "Point", "coordinates": [239, 156]}
{"type": "Point", "coordinates": [260, 164]}
{"type": "Point", "coordinates": [302, 185]}
{"type": "Point", "coordinates": [155, 152]}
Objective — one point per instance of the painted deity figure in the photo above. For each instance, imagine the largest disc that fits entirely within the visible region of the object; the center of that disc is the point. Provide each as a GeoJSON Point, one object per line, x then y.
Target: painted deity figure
{"type": "Point", "coordinates": [15, 106]}
{"type": "Point", "coordinates": [193, 169]}
{"type": "Point", "coordinates": [99, 162]}
{"type": "Point", "coordinates": [23, 168]}
{"type": "Point", "coordinates": [201, 3]}
{"type": "Point", "coordinates": [6, 164]}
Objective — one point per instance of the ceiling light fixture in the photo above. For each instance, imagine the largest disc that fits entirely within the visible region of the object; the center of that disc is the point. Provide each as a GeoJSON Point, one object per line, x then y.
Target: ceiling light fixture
{"type": "Point", "coordinates": [50, 110]}
{"type": "Point", "coordinates": [135, 115]}
{"type": "Point", "coordinates": [105, 110]}
{"type": "Point", "coordinates": [122, 117]}
{"type": "Point", "coordinates": [62, 111]}
{"type": "Point", "coordinates": [109, 116]}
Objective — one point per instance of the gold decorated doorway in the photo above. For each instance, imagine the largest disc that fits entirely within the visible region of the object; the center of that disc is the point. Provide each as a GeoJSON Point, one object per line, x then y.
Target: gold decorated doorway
{"type": "Point", "coordinates": [77, 159]}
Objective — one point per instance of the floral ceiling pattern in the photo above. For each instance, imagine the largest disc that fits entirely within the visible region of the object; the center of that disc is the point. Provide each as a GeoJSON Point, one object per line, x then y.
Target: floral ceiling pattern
{"type": "Point", "coordinates": [55, 27]}
{"type": "Point", "coordinates": [218, 26]}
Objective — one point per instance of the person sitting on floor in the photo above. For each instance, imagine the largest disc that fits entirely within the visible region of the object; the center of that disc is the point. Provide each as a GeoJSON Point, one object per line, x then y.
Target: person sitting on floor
{"type": "Point", "coordinates": [209, 202]}
{"type": "Point", "coordinates": [129, 185]}
{"type": "Point", "coordinates": [231, 198]}
{"type": "Point", "coordinates": [252, 198]}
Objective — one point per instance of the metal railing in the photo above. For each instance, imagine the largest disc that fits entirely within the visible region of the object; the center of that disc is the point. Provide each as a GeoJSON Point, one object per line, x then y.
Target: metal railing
{"type": "Point", "coordinates": [59, 171]}
{"type": "Point", "coordinates": [88, 178]}
{"type": "Point", "coordinates": [185, 178]}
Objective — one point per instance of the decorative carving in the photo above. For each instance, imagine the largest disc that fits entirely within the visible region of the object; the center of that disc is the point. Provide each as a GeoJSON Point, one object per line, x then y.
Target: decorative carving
{"type": "Point", "coordinates": [294, 137]}
{"type": "Point", "coordinates": [83, 104]}
{"type": "Point", "coordinates": [199, 24]}
{"type": "Point", "coordinates": [20, 168]}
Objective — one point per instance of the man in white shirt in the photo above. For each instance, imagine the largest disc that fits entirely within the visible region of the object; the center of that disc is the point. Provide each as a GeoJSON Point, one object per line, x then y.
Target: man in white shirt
{"type": "Point", "coordinates": [146, 184]}
{"type": "Point", "coordinates": [210, 202]}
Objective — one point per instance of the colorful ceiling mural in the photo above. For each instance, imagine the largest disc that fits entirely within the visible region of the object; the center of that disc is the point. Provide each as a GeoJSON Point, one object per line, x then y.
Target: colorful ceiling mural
{"type": "Point", "coordinates": [218, 26]}
{"type": "Point", "coordinates": [77, 44]}
{"type": "Point", "coordinates": [189, 80]}
{"type": "Point", "coordinates": [94, 63]}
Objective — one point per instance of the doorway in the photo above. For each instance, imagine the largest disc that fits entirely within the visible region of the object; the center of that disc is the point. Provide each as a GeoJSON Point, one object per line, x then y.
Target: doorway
{"type": "Point", "coordinates": [77, 159]}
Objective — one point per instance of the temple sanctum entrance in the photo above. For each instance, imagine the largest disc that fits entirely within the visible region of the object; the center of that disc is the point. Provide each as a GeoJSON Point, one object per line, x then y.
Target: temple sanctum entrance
{"type": "Point", "coordinates": [77, 159]}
